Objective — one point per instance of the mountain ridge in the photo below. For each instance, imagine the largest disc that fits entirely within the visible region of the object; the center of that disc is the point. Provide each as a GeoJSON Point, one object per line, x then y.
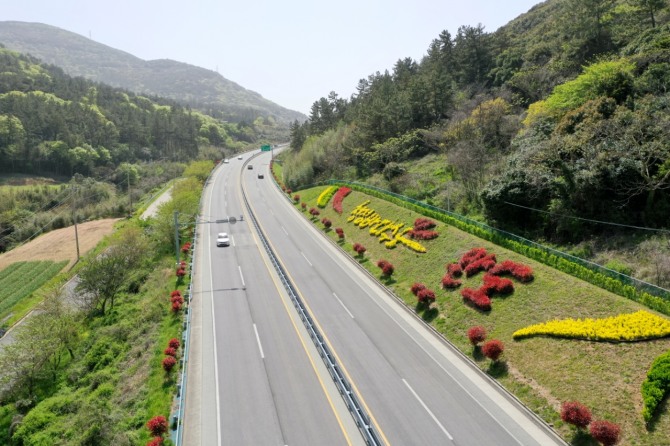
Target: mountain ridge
{"type": "Point", "coordinates": [195, 86]}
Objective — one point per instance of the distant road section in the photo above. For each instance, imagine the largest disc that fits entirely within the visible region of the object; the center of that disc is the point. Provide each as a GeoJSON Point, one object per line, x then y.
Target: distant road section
{"type": "Point", "coordinates": [153, 207]}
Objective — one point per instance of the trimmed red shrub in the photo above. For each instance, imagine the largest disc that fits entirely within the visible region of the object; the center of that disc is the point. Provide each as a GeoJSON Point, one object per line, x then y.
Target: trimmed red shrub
{"type": "Point", "coordinates": [426, 296]}
{"type": "Point", "coordinates": [186, 247]}
{"type": "Point", "coordinates": [326, 222]}
{"type": "Point", "coordinates": [339, 197]}
{"type": "Point", "coordinates": [176, 307]}
{"type": "Point", "coordinates": [471, 256]}
{"type": "Point", "coordinates": [314, 212]}
{"type": "Point", "coordinates": [493, 349]}
{"type": "Point", "coordinates": [455, 270]}
{"type": "Point", "coordinates": [482, 264]}
{"type": "Point", "coordinates": [296, 198]}
{"type": "Point", "coordinates": [575, 413]}
{"type": "Point", "coordinates": [494, 284]}
{"type": "Point", "coordinates": [339, 232]}
{"type": "Point", "coordinates": [289, 191]}
{"type": "Point", "coordinates": [158, 425]}
{"type": "Point", "coordinates": [156, 441]}
{"type": "Point", "coordinates": [168, 363]}
{"type": "Point", "coordinates": [476, 334]}
{"type": "Point", "coordinates": [422, 234]}
{"type": "Point", "coordinates": [421, 224]}
{"type": "Point", "coordinates": [519, 271]}
{"type": "Point", "coordinates": [360, 249]}
{"type": "Point", "coordinates": [178, 298]}
{"type": "Point", "coordinates": [605, 432]}
{"type": "Point", "coordinates": [170, 351]}
{"type": "Point", "coordinates": [174, 343]}
{"type": "Point", "coordinates": [303, 205]}
{"type": "Point", "coordinates": [416, 287]}
{"type": "Point", "coordinates": [182, 263]}
{"type": "Point", "coordinates": [181, 272]}
{"type": "Point", "coordinates": [476, 298]}
{"type": "Point", "coordinates": [448, 282]}
{"type": "Point", "coordinates": [523, 273]}
{"type": "Point", "coordinates": [175, 293]}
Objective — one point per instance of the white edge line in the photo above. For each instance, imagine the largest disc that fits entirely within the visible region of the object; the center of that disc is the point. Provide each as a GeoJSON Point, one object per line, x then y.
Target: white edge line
{"type": "Point", "coordinates": [285, 231]}
{"type": "Point", "coordinates": [216, 362]}
{"type": "Point", "coordinates": [343, 306]}
{"type": "Point", "coordinates": [233, 239]}
{"type": "Point", "coordinates": [428, 410]}
{"type": "Point", "coordinates": [306, 259]}
{"type": "Point", "coordinates": [258, 339]}
{"type": "Point", "coordinates": [241, 276]}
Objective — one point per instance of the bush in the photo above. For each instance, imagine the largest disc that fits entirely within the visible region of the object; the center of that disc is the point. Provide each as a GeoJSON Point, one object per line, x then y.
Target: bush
{"type": "Point", "coordinates": [454, 269]}
{"type": "Point", "coordinates": [471, 256]}
{"type": "Point", "coordinates": [158, 425]}
{"type": "Point", "coordinates": [575, 413]}
{"type": "Point", "coordinates": [181, 272]}
{"type": "Point", "coordinates": [416, 287]}
{"type": "Point", "coordinates": [175, 293]}
{"type": "Point", "coordinates": [605, 432]}
{"type": "Point", "coordinates": [656, 385]}
{"type": "Point", "coordinates": [476, 334]}
{"type": "Point", "coordinates": [156, 441]}
{"type": "Point", "coordinates": [426, 296]}
{"type": "Point", "coordinates": [421, 224]}
{"type": "Point", "coordinates": [170, 352]}
{"type": "Point", "coordinates": [450, 283]}
{"type": "Point", "coordinates": [342, 192]}
{"type": "Point", "coordinates": [326, 222]}
{"type": "Point", "coordinates": [493, 349]}
{"type": "Point", "coordinates": [303, 205]}
{"type": "Point", "coordinates": [314, 212]}
{"type": "Point", "coordinates": [174, 343]}
{"type": "Point", "coordinates": [476, 298]}
{"type": "Point", "coordinates": [360, 249]}
{"type": "Point", "coordinates": [494, 284]}
{"type": "Point", "coordinates": [176, 307]}
{"type": "Point", "coordinates": [296, 198]}
{"type": "Point", "coordinates": [168, 363]}
{"type": "Point", "coordinates": [422, 234]}
{"type": "Point", "coordinates": [339, 232]}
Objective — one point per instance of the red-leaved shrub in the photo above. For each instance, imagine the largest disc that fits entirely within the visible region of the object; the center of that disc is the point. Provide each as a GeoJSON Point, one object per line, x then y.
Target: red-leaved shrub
{"type": "Point", "coordinates": [174, 343]}
{"type": "Point", "coordinates": [605, 432]}
{"type": "Point", "coordinates": [296, 198]}
{"type": "Point", "coordinates": [416, 287]}
{"type": "Point", "coordinates": [426, 296]}
{"type": "Point", "coordinates": [158, 425]}
{"type": "Point", "coordinates": [168, 363]}
{"type": "Point", "coordinates": [386, 267]}
{"type": "Point", "coordinates": [170, 351]}
{"type": "Point", "coordinates": [339, 232]}
{"type": "Point", "coordinates": [481, 264]}
{"type": "Point", "coordinates": [519, 271]}
{"type": "Point", "coordinates": [471, 256]}
{"type": "Point", "coordinates": [326, 222]}
{"type": "Point", "coordinates": [449, 282]}
{"type": "Point", "coordinates": [422, 234]}
{"type": "Point", "coordinates": [185, 248]}
{"type": "Point", "coordinates": [575, 413]}
{"type": "Point", "coordinates": [476, 334]}
{"type": "Point", "coordinates": [360, 249]}
{"type": "Point", "coordinates": [455, 270]}
{"type": "Point", "coordinates": [303, 205]}
{"type": "Point", "coordinates": [493, 349]}
{"type": "Point", "coordinates": [421, 224]}
{"type": "Point", "coordinates": [176, 307]}
{"type": "Point", "coordinates": [476, 298]}
{"type": "Point", "coordinates": [175, 293]}
{"type": "Point", "coordinates": [181, 272]}
{"type": "Point", "coordinates": [494, 284]}
{"type": "Point", "coordinates": [156, 441]}
{"type": "Point", "coordinates": [314, 212]}
{"type": "Point", "coordinates": [339, 197]}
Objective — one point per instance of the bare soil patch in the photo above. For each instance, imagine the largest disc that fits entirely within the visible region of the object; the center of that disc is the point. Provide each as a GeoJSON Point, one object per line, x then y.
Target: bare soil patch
{"type": "Point", "coordinates": [60, 244]}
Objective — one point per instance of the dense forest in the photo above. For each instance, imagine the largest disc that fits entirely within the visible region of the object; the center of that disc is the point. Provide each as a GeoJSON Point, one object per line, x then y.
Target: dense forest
{"type": "Point", "coordinates": [553, 122]}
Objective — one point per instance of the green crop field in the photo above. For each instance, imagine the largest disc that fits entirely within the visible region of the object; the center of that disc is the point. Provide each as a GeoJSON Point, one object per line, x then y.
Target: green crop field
{"type": "Point", "coordinates": [541, 371]}
{"type": "Point", "coordinates": [20, 279]}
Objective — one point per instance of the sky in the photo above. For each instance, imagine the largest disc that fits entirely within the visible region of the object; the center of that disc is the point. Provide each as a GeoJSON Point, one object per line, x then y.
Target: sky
{"type": "Point", "coordinates": [292, 52]}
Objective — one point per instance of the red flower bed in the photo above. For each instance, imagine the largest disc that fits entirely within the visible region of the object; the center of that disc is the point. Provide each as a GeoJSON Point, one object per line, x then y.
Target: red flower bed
{"type": "Point", "coordinates": [519, 271]}
{"type": "Point", "coordinates": [476, 298]}
{"type": "Point", "coordinates": [158, 425]}
{"type": "Point", "coordinates": [481, 264]}
{"type": "Point", "coordinates": [605, 432]}
{"type": "Point", "coordinates": [341, 193]}
{"type": "Point", "coordinates": [426, 296]}
{"type": "Point", "coordinates": [421, 224]}
{"type": "Point", "coordinates": [422, 234]}
{"type": "Point", "coordinates": [495, 284]}
{"type": "Point", "coordinates": [575, 413]}
{"type": "Point", "coordinates": [476, 334]}
{"type": "Point", "coordinates": [471, 256]}
{"type": "Point", "coordinates": [454, 270]}
{"type": "Point", "coordinates": [416, 287]}
{"type": "Point", "coordinates": [449, 282]}
{"type": "Point", "coordinates": [168, 363]}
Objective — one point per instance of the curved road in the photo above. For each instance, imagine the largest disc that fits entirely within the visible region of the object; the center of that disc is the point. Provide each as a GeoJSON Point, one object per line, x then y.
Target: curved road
{"type": "Point", "coordinates": [416, 388]}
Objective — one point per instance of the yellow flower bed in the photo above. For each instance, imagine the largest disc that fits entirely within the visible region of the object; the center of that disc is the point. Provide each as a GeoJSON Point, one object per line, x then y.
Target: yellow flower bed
{"type": "Point", "coordinates": [390, 232]}
{"type": "Point", "coordinates": [624, 327]}
{"type": "Point", "coordinates": [326, 195]}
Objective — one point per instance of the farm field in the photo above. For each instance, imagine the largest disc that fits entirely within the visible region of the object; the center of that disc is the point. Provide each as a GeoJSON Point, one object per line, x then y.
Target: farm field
{"type": "Point", "coordinates": [543, 372]}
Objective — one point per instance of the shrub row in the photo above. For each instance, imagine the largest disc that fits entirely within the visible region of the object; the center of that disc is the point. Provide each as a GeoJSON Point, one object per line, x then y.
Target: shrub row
{"type": "Point", "coordinates": [656, 386]}
{"type": "Point", "coordinates": [325, 196]}
{"type": "Point", "coordinates": [386, 267]}
{"type": "Point", "coordinates": [636, 326]}
{"type": "Point", "coordinates": [340, 195]}
{"type": "Point", "coordinates": [542, 255]}
{"type": "Point", "coordinates": [603, 431]}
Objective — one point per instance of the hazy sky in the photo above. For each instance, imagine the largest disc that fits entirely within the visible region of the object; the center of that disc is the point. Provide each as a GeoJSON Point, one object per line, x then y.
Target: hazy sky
{"type": "Point", "coordinates": [292, 52]}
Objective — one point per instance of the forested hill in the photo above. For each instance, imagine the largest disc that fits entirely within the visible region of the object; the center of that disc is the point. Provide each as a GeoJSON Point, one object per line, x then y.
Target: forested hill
{"type": "Point", "coordinates": [197, 87]}
{"type": "Point", "coordinates": [562, 112]}
{"type": "Point", "coordinates": [52, 122]}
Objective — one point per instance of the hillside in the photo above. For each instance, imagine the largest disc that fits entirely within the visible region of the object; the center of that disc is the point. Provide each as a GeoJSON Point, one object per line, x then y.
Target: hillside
{"type": "Point", "coordinates": [188, 84]}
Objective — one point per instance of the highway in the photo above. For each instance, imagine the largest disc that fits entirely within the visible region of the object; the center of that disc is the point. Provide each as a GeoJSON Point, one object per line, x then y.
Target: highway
{"type": "Point", "coordinates": [413, 385]}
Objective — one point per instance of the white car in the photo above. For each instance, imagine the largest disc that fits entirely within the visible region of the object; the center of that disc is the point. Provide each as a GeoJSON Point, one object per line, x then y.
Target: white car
{"type": "Point", "coordinates": [225, 161]}
{"type": "Point", "coordinates": [239, 157]}
{"type": "Point", "coordinates": [222, 239]}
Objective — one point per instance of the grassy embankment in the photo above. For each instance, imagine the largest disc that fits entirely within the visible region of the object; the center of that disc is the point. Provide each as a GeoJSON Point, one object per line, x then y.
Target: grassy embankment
{"type": "Point", "coordinates": [543, 372]}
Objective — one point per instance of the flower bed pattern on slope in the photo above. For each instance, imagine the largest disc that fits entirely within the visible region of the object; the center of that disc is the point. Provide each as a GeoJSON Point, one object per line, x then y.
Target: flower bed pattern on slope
{"type": "Point", "coordinates": [637, 326]}
{"type": "Point", "coordinates": [325, 196]}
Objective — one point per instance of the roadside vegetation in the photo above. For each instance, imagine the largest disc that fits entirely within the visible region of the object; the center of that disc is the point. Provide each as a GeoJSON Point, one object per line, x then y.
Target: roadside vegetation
{"type": "Point", "coordinates": [543, 371]}
{"type": "Point", "coordinates": [100, 366]}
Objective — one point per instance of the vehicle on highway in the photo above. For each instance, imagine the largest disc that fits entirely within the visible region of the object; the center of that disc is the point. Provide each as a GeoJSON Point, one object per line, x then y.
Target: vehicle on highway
{"type": "Point", "coordinates": [225, 161]}
{"type": "Point", "coordinates": [260, 175]}
{"type": "Point", "coordinates": [222, 239]}
{"type": "Point", "coordinates": [250, 167]}
{"type": "Point", "coordinates": [239, 157]}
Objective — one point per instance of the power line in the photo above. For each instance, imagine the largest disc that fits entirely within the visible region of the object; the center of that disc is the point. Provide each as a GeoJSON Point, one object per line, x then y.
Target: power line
{"type": "Point", "coordinates": [588, 219]}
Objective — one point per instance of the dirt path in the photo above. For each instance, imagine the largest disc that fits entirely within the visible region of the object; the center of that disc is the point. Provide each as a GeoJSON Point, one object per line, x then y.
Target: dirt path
{"type": "Point", "coordinates": [60, 244]}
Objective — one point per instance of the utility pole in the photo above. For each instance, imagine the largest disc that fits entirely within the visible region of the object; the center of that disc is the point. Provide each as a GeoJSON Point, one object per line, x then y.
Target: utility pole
{"type": "Point", "coordinates": [74, 218]}
{"type": "Point", "coordinates": [176, 236]}
{"type": "Point", "coordinates": [130, 193]}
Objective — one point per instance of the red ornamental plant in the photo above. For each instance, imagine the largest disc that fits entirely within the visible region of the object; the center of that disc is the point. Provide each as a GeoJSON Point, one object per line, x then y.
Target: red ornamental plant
{"type": "Point", "coordinates": [496, 285]}
{"type": "Point", "coordinates": [454, 270]}
{"type": "Point", "coordinates": [176, 307]}
{"type": "Point", "coordinates": [416, 287]}
{"type": "Point", "coordinates": [426, 296]}
{"type": "Point", "coordinates": [605, 432]}
{"type": "Point", "coordinates": [178, 298]}
{"type": "Point", "coordinates": [326, 222]}
{"type": "Point", "coordinates": [158, 425]}
{"type": "Point", "coordinates": [156, 441]}
{"type": "Point", "coordinates": [471, 256]}
{"type": "Point", "coordinates": [386, 267]}
{"type": "Point", "coordinates": [339, 197]}
{"type": "Point", "coordinates": [519, 271]}
{"type": "Point", "coordinates": [289, 191]}
{"type": "Point", "coordinates": [450, 283]}
{"type": "Point", "coordinates": [422, 234]}
{"type": "Point", "coordinates": [175, 293]}
{"type": "Point", "coordinates": [303, 205]}
{"type": "Point", "coordinates": [476, 298]}
{"type": "Point", "coordinates": [339, 232]}
{"type": "Point", "coordinates": [575, 413]}
{"type": "Point", "coordinates": [421, 224]}
{"type": "Point", "coordinates": [476, 334]}
{"type": "Point", "coordinates": [170, 352]}
{"type": "Point", "coordinates": [296, 198]}
{"type": "Point", "coordinates": [174, 343]}
{"type": "Point", "coordinates": [482, 264]}
{"type": "Point", "coordinates": [186, 247]}
{"type": "Point", "coordinates": [360, 249]}
{"type": "Point", "coordinates": [493, 349]}
{"type": "Point", "coordinates": [168, 363]}
{"type": "Point", "coordinates": [181, 272]}
{"type": "Point", "coordinates": [314, 212]}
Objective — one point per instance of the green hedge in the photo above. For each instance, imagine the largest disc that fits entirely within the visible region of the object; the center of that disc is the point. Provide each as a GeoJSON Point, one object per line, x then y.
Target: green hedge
{"type": "Point", "coordinates": [592, 273]}
{"type": "Point", "coordinates": [656, 386]}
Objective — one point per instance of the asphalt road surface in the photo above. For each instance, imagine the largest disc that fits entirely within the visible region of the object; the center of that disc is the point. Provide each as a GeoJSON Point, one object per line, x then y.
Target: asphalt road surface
{"type": "Point", "coordinates": [270, 389]}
